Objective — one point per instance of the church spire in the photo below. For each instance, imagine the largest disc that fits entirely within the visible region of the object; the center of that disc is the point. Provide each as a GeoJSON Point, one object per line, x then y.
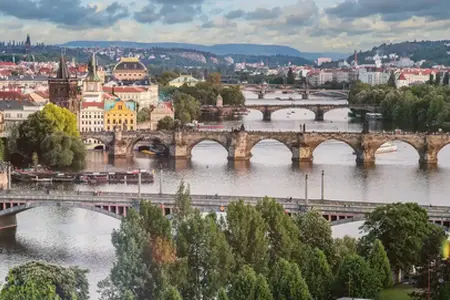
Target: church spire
{"type": "Point", "coordinates": [92, 69]}
{"type": "Point", "coordinates": [63, 71]}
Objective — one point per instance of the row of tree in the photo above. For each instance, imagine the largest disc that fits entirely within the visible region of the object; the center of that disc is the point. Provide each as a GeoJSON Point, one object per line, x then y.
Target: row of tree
{"type": "Point", "coordinates": [420, 107]}
{"type": "Point", "coordinates": [252, 252]}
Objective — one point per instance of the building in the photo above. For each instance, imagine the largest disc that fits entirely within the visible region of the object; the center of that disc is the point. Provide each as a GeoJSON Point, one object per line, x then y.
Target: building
{"type": "Point", "coordinates": [92, 84]}
{"type": "Point", "coordinates": [409, 77]}
{"type": "Point", "coordinates": [63, 90]}
{"type": "Point", "coordinates": [372, 75]}
{"type": "Point", "coordinates": [23, 81]}
{"type": "Point", "coordinates": [184, 79]}
{"type": "Point", "coordinates": [15, 112]}
{"type": "Point", "coordinates": [120, 113]}
{"type": "Point", "coordinates": [130, 69]}
{"type": "Point", "coordinates": [91, 117]}
{"type": "Point", "coordinates": [322, 60]}
{"type": "Point", "coordinates": [144, 96]}
{"type": "Point", "coordinates": [162, 110]}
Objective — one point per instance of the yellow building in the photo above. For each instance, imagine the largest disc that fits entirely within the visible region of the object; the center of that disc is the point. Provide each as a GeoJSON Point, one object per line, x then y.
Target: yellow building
{"type": "Point", "coordinates": [120, 113]}
{"type": "Point", "coordinates": [130, 69]}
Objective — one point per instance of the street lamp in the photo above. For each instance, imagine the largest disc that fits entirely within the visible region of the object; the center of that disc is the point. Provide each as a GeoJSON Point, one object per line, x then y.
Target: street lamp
{"type": "Point", "coordinates": [139, 184]}
{"type": "Point", "coordinates": [160, 178]}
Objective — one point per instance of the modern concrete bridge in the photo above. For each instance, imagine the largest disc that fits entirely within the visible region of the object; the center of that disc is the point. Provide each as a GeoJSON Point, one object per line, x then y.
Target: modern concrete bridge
{"type": "Point", "coordinates": [239, 143]}
{"type": "Point", "coordinates": [318, 109]}
{"type": "Point", "coordinates": [116, 205]}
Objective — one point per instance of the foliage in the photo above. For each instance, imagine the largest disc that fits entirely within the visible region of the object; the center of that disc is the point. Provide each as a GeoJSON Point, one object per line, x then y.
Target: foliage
{"type": "Point", "coordinates": [246, 234]}
{"type": "Point", "coordinates": [247, 285]}
{"type": "Point", "coordinates": [401, 227]}
{"type": "Point", "coordinates": [446, 79]}
{"type": "Point", "coordinates": [232, 95]}
{"type": "Point", "coordinates": [35, 159]}
{"type": "Point", "coordinates": [341, 248]}
{"type": "Point", "coordinates": [38, 280]}
{"type": "Point", "coordinates": [222, 294]}
{"type": "Point", "coordinates": [391, 82]}
{"type": "Point", "coordinates": [52, 134]}
{"type": "Point", "coordinates": [187, 108]}
{"type": "Point", "coordinates": [290, 77]}
{"type": "Point", "coordinates": [356, 279]}
{"type": "Point", "coordinates": [2, 150]}
{"type": "Point", "coordinates": [214, 78]}
{"type": "Point", "coordinates": [317, 274]}
{"type": "Point", "coordinates": [62, 151]}
{"type": "Point", "coordinates": [166, 123]}
{"type": "Point", "coordinates": [287, 282]}
{"type": "Point", "coordinates": [166, 77]}
{"type": "Point", "coordinates": [315, 231]}
{"type": "Point", "coordinates": [171, 293]}
{"type": "Point", "coordinates": [143, 115]}
{"type": "Point", "coordinates": [379, 262]}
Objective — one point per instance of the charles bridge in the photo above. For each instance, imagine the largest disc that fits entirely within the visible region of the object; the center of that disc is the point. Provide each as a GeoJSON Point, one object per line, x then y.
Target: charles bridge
{"type": "Point", "coordinates": [239, 143]}
{"type": "Point", "coordinates": [116, 205]}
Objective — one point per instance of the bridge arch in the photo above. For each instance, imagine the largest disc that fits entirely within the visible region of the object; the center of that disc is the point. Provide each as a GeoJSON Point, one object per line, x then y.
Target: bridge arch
{"type": "Point", "coordinates": [152, 139]}
{"type": "Point", "coordinates": [24, 207]}
{"type": "Point", "coordinates": [419, 147]}
{"type": "Point", "coordinates": [258, 140]}
{"type": "Point", "coordinates": [195, 142]}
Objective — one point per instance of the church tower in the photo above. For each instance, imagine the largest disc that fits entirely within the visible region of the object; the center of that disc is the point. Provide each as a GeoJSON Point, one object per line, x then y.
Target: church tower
{"type": "Point", "coordinates": [92, 84]}
{"type": "Point", "coordinates": [28, 45]}
{"type": "Point", "coordinates": [63, 90]}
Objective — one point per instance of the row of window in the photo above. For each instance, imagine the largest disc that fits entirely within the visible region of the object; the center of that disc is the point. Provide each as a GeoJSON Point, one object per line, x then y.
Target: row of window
{"type": "Point", "coordinates": [119, 121]}
{"type": "Point", "coordinates": [109, 128]}
{"type": "Point", "coordinates": [89, 129]}
{"type": "Point", "coordinates": [89, 116]}
{"type": "Point", "coordinates": [89, 123]}
{"type": "Point", "coordinates": [9, 115]}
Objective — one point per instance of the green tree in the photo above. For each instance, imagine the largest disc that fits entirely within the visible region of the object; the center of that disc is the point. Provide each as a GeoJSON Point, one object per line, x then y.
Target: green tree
{"type": "Point", "coordinates": [287, 282]}
{"type": "Point", "coordinates": [283, 233]}
{"type": "Point", "coordinates": [214, 78]}
{"type": "Point", "coordinates": [232, 95]}
{"type": "Point", "coordinates": [342, 247]}
{"type": "Point", "coordinates": [143, 115]}
{"type": "Point", "coordinates": [431, 79]}
{"type": "Point", "coordinates": [209, 257]}
{"type": "Point", "coordinates": [438, 79]}
{"type": "Point", "coordinates": [315, 231]}
{"type": "Point", "coordinates": [356, 279]}
{"type": "Point", "coordinates": [246, 234]}
{"type": "Point", "coordinates": [187, 108]}
{"type": "Point", "coordinates": [222, 294]}
{"type": "Point", "coordinates": [36, 279]}
{"type": "Point", "coordinates": [392, 82]}
{"type": "Point", "coordinates": [62, 151]}
{"type": "Point", "coordinates": [379, 262]}
{"type": "Point", "coordinates": [317, 274]}
{"type": "Point", "coordinates": [290, 77]}
{"type": "Point", "coordinates": [35, 160]}
{"type": "Point", "coordinates": [401, 228]}
{"type": "Point", "coordinates": [183, 209]}
{"type": "Point", "coordinates": [446, 79]}
{"type": "Point", "coordinates": [166, 123]}
{"type": "Point", "coordinates": [171, 293]}
{"type": "Point", "coordinates": [61, 119]}
{"type": "Point", "coordinates": [247, 285]}
{"type": "Point", "coordinates": [166, 77]}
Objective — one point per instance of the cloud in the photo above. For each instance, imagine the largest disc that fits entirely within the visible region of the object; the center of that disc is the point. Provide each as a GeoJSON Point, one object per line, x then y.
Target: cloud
{"type": "Point", "coordinates": [66, 13]}
{"type": "Point", "coordinates": [169, 11]}
{"type": "Point", "coordinates": [391, 10]}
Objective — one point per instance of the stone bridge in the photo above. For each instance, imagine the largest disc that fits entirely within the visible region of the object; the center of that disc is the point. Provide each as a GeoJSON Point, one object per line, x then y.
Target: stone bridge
{"type": "Point", "coordinates": [318, 109]}
{"type": "Point", "coordinates": [117, 205]}
{"type": "Point", "coordinates": [262, 90]}
{"type": "Point", "coordinates": [239, 143]}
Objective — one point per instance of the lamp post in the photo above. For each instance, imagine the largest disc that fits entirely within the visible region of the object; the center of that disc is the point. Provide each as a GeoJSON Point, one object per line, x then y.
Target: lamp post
{"type": "Point", "coordinates": [139, 184]}
{"type": "Point", "coordinates": [306, 190]}
{"type": "Point", "coordinates": [160, 179]}
{"type": "Point", "coordinates": [322, 186]}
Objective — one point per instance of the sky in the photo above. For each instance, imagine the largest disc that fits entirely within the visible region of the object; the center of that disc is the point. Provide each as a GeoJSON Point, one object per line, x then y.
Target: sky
{"type": "Point", "coordinates": [307, 25]}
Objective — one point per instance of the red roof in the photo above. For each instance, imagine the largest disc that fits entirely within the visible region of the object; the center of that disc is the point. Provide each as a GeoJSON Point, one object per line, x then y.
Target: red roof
{"type": "Point", "coordinates": [12, 95]}
{"type": "Point", "coordinates": [91, 104]}
{"type": "Point", "coordinates": [401, 77]}
{"type": "Point", "coordinates": [124, 89]}
{"type": "Point", "coordinates": [7, 64]}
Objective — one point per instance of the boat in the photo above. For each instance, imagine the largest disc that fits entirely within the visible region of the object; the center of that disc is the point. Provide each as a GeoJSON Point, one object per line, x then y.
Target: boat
{"type": "Point", "coordinates": [293, 112]}
{"type": "Point", "coordinates": [42, 179]}
{"type": "Point", "coordinates": [63, 178]}
{"type": "Point", "coordinates": [386, 148]}
{"type": "Point", "coordinates": [148, 152]}
{"type": "Point", "coordinates": [374, 116]}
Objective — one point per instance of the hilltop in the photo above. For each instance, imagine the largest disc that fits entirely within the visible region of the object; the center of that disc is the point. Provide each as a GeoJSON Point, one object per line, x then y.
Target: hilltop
{"type": "Point", "coordinates": [431, 52]}
{"type": "Point", "coordinates": [218, 49]}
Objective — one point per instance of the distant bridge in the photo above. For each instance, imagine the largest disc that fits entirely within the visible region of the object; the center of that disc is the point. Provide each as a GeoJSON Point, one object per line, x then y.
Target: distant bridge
{"type": "Point", "coordinates": [318, 109]}
{"type": "Point", "coordinates": [117, 205]}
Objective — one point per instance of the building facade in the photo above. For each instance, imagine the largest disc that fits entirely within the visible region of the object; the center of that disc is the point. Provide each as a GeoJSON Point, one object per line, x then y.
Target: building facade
{"type": "Point", "coordinates": [162, 110]}
{"type": "Point", "coordinates": [91, 117]}
{"type": "Point", "coordinates": [120, 113]}
{"type": "Point", "coordinates": [63, 90]}
{"type": "Point", "coordinates": [130, 69]}
{"type": "Point", "coordinates": [184, 79]}
{"type": "Point", "coordinates": [144, 96]}
{"type": "Point", "coordinates": [15, 112]}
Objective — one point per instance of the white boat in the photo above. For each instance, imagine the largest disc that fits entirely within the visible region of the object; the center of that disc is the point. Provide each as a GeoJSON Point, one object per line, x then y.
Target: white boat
{"type": "Point", "coordinates": [386, 148]}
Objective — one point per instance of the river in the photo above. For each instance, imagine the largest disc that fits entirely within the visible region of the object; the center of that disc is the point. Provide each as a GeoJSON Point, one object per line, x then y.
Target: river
{"type": "Point", "coordinates": [79, 237]}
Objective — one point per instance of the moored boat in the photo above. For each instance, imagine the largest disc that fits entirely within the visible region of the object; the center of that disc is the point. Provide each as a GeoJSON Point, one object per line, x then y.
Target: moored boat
{"type": "Point", "coordinates": [386, 148]}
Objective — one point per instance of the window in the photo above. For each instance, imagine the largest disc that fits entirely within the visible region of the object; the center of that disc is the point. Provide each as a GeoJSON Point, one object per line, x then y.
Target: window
{"type": "Point", "coordinates": [120, 107]}
{"type": "Point", "coordinates": [114, 121]}
{"type": "Point", "coordinates": [108, 128]}
{"type": "Point", "coordinates": [131, 121]}
{"type": "Point", "coordinates": [107, 121]}
{"type": "Point", "coordinates": [131, 127]}
{"type": "Point", "coordinates": [120, 121]}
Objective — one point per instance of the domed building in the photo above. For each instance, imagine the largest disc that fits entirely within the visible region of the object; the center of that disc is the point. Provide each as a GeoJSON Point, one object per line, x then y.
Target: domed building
{"type": "Point", "coordinates": [130, 69]}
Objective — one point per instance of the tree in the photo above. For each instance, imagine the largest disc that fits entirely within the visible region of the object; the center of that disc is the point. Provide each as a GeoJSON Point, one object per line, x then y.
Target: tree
{"type": "Point", "coordinates": [171, 293]}
{"type": "Point", "coordinates": [183, 204]}
{"type": "Point", "coordinates": [187, 108]}
{"type": "Point", "coordinates": [315, 231]}
{"type": "Point", "coordinates": [61, 119]}
{"type": "Point", "coordinates": [392, 82]}
{"type": "Point", "coordinates": [356, 279]}
{"type": "Point", "coordinates": [36, 279]}
{"type": "Point", "coordinates": [317, 274]}
{"type": "Point", "coordinates": [166, 123]}
{"type": "Point", "coordinates": [143, 115]}
{"type": "Point", "coordinates": [290, 77]}
{"type": "Point", "coordinates": [401, 228]}
{"type": "Point", "coordinates": [446, 80]}
{"type": "Point", "coordinates": [232, 96]}
{"type": "Point", "coordinates": [438, 79]}
{"type": "Point", "coordinates": [166, 77]}
{"type": "Point", "coordinates": [341, 248]}
{"type": "Point", "coordinates": [209, 258]}
{"type": "Point", "coordinates": [62, 151]}
{"type": "Point", "coordinates": [249, 286]}
{"type": "Point", "coordinates": [35, 160]}
{"type": "Point", "coordinates": [214, 78]}
{"type": "Point", "coordinates": [283, 233]}
{"type": "Point", "coordinates": [431, 79]}
{"type": "Point", "coordinates": [287, 282]}
{"type": "Point", "coordinates": [379, 262]}
{"type": "Point", "coordinates": [222, 294]}
{"type": "Point", "coordinates": [246, 234]}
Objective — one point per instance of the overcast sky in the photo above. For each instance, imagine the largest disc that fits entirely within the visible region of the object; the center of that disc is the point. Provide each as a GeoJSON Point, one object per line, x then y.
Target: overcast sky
{"type": "Point", "coordinates": [307, 25]}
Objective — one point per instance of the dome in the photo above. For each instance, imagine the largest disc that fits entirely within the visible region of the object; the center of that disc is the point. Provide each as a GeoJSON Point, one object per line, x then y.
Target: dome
{"type": "Point", "coordinates": [130, 64]}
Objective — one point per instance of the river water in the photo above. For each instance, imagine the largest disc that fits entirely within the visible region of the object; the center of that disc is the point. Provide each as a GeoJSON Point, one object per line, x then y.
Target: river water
{"type": "Point", "coordinates": [79, 237]}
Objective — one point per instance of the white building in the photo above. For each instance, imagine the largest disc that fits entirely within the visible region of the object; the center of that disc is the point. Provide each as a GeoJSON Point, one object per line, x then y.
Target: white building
{"type": "Point", "coordinates": [322, 60]}
{"type": "Point", "coordinates": [15, 111]}
{"type": "Point", "coordinates": [144, 96]}
{"type": "Point", "coordinates": [91, 117]}
{"type": "Point", "coordinates": [373, 75]}
{"type": "Point", "coordinates": [408, 77]}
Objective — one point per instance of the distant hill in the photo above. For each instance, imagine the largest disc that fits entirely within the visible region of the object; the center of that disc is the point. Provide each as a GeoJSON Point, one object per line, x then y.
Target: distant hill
{"type": "Point", "coordinates": [432, 52]}
{"type": "Point", "coordinates": [219, 49]}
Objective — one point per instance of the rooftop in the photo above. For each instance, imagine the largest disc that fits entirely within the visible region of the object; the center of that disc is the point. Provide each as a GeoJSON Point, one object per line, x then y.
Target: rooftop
{"type": "Point", "coordinates": [15, 105]}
